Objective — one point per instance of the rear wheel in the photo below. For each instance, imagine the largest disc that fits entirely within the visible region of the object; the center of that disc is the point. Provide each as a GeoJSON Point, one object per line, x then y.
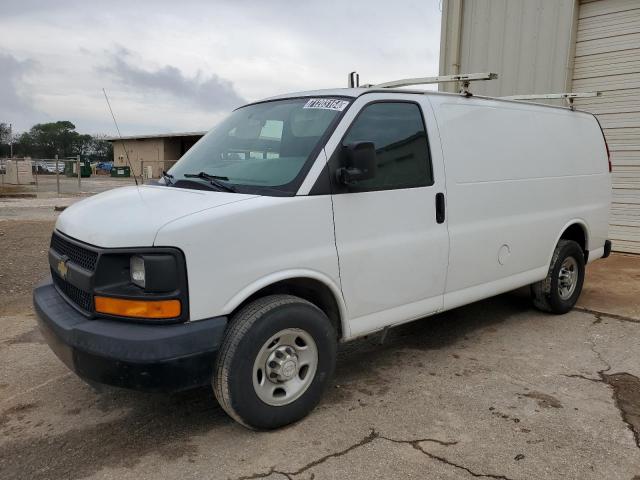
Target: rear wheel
{"type": "Point", "coordinates": [559, 291]}
{"type": "Point", "coordinates": [275, 362]}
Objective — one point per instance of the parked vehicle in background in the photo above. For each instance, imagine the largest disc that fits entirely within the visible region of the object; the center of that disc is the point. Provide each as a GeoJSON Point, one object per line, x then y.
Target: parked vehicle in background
{"type": "Point", "coordinates": [38, 167]}
{"type": "Point", "coordinates": [315, 218]}
{"type": "Point", "coordinates": [46, 166]}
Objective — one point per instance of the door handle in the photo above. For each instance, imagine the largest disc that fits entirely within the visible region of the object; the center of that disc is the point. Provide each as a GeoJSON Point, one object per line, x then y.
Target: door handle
{"type": "Point", "coordinates": [440, 216]}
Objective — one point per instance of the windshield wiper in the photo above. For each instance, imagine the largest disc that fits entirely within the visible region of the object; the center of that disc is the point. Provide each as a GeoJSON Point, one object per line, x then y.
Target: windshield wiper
{"type": "Point", "coordinates": [168, 178]}
{"type": "Point", "coordinates": [214, 180]}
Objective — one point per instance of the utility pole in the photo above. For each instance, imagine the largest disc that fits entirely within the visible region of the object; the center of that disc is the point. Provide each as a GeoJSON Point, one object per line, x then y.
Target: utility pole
{"type": "Point", "coordinates": [10, 140]}
{"type": "Point", "coordinates": [79, 173]}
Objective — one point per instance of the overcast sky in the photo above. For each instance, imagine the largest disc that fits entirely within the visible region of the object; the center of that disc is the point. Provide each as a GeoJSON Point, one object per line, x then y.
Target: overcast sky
{"type": "Point", "coordinates": [182, 65]}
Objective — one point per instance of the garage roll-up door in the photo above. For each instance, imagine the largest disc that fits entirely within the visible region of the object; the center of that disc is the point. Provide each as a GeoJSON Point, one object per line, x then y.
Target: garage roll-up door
{"type": "Point", "coordinates": [607, 58]}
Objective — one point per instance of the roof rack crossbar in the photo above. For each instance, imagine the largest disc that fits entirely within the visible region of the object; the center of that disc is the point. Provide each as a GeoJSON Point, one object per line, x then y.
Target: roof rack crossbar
{"type": "Point", "coordinates": [569, 97]}
{"type": "Point", "coordinates": [463, 78]}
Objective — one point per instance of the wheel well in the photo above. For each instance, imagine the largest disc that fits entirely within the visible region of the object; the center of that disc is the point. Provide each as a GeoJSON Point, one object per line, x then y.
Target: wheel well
{"type": "Point", "coordinates": [576, 233]}
{"type": "Point", "coordinates": [311, 290]}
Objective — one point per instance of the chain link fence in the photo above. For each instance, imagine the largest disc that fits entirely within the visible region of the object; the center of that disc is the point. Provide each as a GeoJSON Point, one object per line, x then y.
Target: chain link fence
{"type": "Point", "coordinates": [50, 177]}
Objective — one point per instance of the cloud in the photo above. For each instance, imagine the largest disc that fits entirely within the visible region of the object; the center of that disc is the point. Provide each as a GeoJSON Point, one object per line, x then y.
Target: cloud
{"type": "Point", "coordinates": [13, 104]}
{"type": "Point", "coordinates": [166, 81]}
{"type": "Point", "coordinates": [207, 92]}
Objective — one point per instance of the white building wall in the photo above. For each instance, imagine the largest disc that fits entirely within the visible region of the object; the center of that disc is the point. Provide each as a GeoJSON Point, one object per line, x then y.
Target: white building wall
{"type": "Point", "coordinates": [607, 59]}
{"type": "Point", "coordinates": [527, 42]}
{"type": "Point", "coordinates": [550, 46]}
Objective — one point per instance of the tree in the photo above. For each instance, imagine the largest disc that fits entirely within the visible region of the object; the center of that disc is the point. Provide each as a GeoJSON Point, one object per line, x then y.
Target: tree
{"type": "Point", "coordinates": [5, 139]}
{"type": "Point", "coordinates": [82, 145]}
{"type": "Point", "coordinates": [4, 132]}
{"type": "Point", "coordinates": [45, 140]}
{"type": "Point", "coordinates": [95, 148]}
{"type": "Point", "coordinates": [102, 149]}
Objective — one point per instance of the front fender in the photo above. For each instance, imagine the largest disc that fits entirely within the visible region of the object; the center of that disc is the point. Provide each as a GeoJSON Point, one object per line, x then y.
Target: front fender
{"type": "Point", "coordinates": [280, 276]}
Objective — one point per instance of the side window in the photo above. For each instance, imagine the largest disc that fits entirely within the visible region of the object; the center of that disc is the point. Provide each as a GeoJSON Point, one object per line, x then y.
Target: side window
{"type": "Point", "coordinates": [398, 133]}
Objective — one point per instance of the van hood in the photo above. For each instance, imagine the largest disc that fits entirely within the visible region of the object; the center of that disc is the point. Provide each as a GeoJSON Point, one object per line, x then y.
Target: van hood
{"type": "Point", "coordinates": [131, 216]}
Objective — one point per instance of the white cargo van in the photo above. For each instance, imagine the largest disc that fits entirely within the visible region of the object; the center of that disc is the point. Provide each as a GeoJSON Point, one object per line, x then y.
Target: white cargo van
{"type": "Point", "coordinates": [314, 218]}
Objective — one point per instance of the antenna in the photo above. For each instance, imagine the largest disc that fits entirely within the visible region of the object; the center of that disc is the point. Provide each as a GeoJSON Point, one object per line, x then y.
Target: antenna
{"type": "Point", "coordinates": [119, 135]}
{"type": "Point", "coordinates": [354, 80]}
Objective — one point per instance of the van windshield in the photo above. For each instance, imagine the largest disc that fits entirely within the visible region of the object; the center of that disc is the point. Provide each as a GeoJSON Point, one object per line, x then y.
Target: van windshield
{"type": "Point", "coordinates": [260, 148]}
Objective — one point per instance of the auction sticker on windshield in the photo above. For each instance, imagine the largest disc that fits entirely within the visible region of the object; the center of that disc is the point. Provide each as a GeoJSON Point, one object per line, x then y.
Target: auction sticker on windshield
{"type": "Point", "coordinates": [327, 104]}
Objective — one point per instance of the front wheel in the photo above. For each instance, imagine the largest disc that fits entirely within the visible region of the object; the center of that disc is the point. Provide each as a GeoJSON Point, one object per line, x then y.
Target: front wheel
{"type": "Point", "coordinates": [275, 362]}
{"type": "Point", "coordinates": [559, 291]}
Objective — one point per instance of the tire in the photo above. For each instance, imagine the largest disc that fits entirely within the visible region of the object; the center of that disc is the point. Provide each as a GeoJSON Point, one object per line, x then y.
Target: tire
{"type": "Point", "coordinates": [553, 294]}
{"type": "Point", "coordinates": [242, 375]}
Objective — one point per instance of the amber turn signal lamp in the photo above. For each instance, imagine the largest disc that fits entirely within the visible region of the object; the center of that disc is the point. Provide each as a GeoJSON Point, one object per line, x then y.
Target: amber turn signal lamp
{"type": "Point", "coordinates": [138, 308]}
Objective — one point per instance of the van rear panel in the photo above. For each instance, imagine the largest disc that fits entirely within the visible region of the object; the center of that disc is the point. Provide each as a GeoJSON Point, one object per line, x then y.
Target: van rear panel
{"type": "Point", "coordinates": [517, 175]}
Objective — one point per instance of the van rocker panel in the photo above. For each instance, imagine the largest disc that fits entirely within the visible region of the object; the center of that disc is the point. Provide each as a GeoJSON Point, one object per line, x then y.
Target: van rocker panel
{"type": "Point", "coordinates": [129, 355]}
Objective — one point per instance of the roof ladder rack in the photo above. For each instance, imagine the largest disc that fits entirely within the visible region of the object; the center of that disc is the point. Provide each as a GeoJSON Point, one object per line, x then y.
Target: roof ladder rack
{"type": "Point", "coordinates": [569, 97]}
{"type": "Point", "coordinates": [464, 78]}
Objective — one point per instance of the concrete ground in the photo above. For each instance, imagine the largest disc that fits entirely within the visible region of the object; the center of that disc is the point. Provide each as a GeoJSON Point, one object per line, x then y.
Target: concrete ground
{"type": "Point", "coordinates": [492, 390]}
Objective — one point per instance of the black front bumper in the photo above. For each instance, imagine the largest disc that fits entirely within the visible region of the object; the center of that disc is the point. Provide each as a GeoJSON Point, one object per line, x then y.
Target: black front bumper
{"type": "Point", "coordinates": [129, 355]}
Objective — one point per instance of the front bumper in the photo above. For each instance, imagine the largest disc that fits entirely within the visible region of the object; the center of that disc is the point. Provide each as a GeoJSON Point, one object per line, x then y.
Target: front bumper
{"type": "Point", "coordinates": [129, 355]}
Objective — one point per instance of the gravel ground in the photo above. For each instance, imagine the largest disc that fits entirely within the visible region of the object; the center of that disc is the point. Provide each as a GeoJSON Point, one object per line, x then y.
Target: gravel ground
{"type": "Point", "coordinates": [23, 261]}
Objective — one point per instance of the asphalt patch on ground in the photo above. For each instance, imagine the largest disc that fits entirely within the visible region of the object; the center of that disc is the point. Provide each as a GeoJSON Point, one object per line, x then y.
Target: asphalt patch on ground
{"type": "Point", "coordinates": [626, 392]}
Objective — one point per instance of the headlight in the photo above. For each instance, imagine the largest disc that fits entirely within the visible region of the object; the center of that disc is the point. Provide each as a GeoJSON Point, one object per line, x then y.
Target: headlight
{"type": "Point", "coordinates": [154, 272]}
{"type": "Point", "coordinates": [147, 284]}
{"type": "Point", "coordinates": [138, 274]}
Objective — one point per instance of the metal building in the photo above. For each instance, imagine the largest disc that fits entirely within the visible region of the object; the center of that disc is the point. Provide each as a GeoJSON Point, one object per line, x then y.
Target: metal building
{"type": "Point", "coordinates": [151, 154]}
{"type": "Point", "coordinates": [553, 46]}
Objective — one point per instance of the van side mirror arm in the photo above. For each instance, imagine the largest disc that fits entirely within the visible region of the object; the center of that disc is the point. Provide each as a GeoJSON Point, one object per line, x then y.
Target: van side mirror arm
{"type": "Point", "coordinates": [348, 176]}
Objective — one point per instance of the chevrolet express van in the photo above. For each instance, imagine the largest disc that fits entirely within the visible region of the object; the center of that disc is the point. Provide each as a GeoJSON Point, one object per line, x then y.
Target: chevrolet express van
{"type": "Point", "coordinates": [315, 218]}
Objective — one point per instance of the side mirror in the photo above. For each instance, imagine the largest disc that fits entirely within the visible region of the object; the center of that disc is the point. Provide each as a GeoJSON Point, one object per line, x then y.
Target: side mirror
{"type": "Point", "coordinates": [358, 162]}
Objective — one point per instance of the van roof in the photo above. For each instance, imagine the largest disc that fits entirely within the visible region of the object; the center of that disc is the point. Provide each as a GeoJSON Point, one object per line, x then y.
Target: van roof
{"type": "Point", "coordinates": [344, 92]}
{"type": "Point", "coordinates": [359, 91]}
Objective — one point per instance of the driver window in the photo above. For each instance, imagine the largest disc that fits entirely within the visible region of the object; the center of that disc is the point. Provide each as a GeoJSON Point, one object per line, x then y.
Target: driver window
{"type": "Point", "coordinates": [402, 150]}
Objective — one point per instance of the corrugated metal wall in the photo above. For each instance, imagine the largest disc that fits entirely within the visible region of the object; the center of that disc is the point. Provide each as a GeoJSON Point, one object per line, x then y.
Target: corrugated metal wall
{"type": "Point", "coordinates": [527, 42]}
{"type": "Point", "coordinates": [607, 58]}
{"type": "Point", "coordinates": [545, 46]}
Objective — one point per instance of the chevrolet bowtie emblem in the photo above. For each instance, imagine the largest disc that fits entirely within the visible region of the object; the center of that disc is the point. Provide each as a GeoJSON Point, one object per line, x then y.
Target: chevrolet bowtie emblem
{"type": "Point", "coordinates": [62, 268]}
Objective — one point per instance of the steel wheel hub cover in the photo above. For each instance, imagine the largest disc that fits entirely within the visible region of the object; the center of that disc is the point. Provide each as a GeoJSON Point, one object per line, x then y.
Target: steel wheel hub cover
{"type": "Point", "coordinates": [285, 367]}
{"type": "Point", "coordinates": [568, 278]}
{"type": "Point", "coordinates": [282, 364]}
